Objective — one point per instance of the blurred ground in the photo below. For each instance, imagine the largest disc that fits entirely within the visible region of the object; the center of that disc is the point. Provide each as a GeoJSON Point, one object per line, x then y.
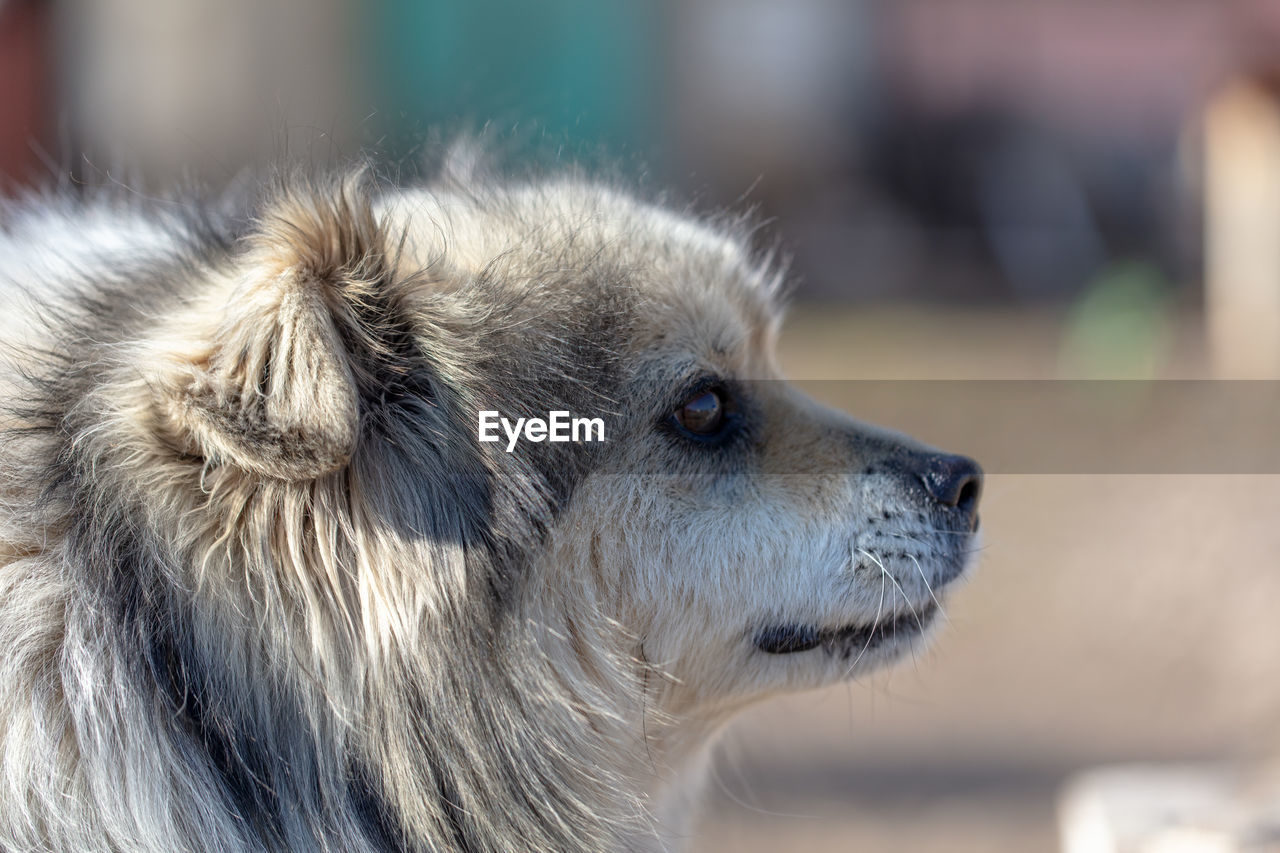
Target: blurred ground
{"type": "Point", "coordinates": [1112, 618]}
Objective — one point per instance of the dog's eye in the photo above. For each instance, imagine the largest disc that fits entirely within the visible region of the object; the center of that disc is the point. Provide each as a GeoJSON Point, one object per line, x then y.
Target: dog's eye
{"type": "Point", "coordinates": [703, 414]}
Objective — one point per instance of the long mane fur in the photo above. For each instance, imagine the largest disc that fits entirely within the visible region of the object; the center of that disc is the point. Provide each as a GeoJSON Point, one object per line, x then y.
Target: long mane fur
{"type": "Point", "coordinates": [345, 654]}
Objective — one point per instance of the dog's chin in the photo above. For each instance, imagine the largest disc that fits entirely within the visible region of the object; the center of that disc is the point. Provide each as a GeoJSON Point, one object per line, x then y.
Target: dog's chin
{"type": "Point", "coordinates": [876, 639]}
{"type": "Point", "coordinates": [865, 643]}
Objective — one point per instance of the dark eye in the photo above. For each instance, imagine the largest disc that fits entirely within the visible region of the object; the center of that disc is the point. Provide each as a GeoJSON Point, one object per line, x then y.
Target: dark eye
{"type": "Point", "coordinates": [703, 414]}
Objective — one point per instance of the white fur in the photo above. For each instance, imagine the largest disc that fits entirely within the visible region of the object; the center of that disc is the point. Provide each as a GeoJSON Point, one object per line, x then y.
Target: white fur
{"type": "Point", "coordinates": [253, 486]}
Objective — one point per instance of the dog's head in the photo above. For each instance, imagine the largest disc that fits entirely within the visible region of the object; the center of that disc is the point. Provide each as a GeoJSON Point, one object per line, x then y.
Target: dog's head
{"type": "Point", "coordinates": [742, 537]}
{"type": "Point", "coordinates": [748, 539]}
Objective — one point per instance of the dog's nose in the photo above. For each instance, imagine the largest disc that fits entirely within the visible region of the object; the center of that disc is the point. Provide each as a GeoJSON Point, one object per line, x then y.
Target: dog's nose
{"type": "Point", "coordinates": [954, 481]}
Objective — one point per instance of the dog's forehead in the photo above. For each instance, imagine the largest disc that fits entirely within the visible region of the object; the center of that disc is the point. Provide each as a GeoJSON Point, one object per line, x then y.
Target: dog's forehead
{"type": "Point", "coordinates": [692, 284]}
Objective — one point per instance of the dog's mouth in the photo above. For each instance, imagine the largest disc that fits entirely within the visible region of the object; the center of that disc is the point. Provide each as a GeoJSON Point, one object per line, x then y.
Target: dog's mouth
{"type": "Point", "coordinates": [847, 640]}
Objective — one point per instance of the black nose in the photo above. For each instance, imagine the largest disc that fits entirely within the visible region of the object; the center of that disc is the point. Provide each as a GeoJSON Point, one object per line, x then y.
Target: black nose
{"type": "Point", "coordinates": [954, 481]}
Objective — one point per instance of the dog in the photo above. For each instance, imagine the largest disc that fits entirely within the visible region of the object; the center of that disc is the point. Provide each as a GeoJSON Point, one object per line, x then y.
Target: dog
{"type": "Point", "coordinates": [273, 578]}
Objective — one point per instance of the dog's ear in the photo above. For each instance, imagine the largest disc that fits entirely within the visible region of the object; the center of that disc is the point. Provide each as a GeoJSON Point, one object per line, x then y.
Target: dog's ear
{"type": "Point", "coordinates": [268, 379]}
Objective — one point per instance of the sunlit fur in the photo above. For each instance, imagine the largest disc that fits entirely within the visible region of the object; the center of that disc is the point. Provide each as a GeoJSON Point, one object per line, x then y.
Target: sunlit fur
{"type": "Point", "coordinates": [261, 588]}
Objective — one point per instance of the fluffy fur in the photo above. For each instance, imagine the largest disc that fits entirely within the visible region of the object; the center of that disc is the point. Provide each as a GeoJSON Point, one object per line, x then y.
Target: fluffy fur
{"type": "Point", "coordinates": [261, 588]}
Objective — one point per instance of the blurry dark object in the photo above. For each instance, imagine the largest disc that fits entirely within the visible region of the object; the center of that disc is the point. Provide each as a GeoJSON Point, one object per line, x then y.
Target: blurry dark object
{"type": "Point", "coordinates": [1041, 211]}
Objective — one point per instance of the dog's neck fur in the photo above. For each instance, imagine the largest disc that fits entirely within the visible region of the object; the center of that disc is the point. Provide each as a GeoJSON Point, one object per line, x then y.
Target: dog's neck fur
{"type": "Point", "coordinates": [328, 645]}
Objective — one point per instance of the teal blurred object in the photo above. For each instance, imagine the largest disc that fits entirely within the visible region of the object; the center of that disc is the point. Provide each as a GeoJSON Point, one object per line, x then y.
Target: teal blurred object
{"type": "Point", "coordinates": [580, 73]}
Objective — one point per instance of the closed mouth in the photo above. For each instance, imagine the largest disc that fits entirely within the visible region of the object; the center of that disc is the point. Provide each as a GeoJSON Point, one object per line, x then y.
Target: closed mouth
{"type": "Point", "coordinates": [846, 640]}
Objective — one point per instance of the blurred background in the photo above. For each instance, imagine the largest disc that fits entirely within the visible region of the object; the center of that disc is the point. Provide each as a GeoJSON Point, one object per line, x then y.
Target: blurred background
{"type": "Point", "coordinates": [970, 190]}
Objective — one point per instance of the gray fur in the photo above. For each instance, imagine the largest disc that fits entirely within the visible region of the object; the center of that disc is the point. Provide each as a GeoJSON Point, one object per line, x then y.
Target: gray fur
{"type": "Point", "coordinates": [262, 589]}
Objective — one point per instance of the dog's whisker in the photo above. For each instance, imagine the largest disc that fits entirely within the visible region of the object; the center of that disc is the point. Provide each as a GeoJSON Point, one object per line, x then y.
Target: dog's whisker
{"type": "Point", "coordinates": [874, 626]}
{"type": "Point", "coordinates": [905, 598]}
{"type": "Point", "coordinates": [930, 530]}
{"type": "Point", "coordinates": [923, 577]}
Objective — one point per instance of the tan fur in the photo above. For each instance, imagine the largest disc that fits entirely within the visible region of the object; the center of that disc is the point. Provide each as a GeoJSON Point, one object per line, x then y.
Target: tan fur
{"type": "Point", "coordinates": [262, 588]}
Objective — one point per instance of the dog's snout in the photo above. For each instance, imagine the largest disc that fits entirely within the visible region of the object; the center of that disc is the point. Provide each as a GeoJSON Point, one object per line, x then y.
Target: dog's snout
{"type": "Point", "coordinates": [953, 481]}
